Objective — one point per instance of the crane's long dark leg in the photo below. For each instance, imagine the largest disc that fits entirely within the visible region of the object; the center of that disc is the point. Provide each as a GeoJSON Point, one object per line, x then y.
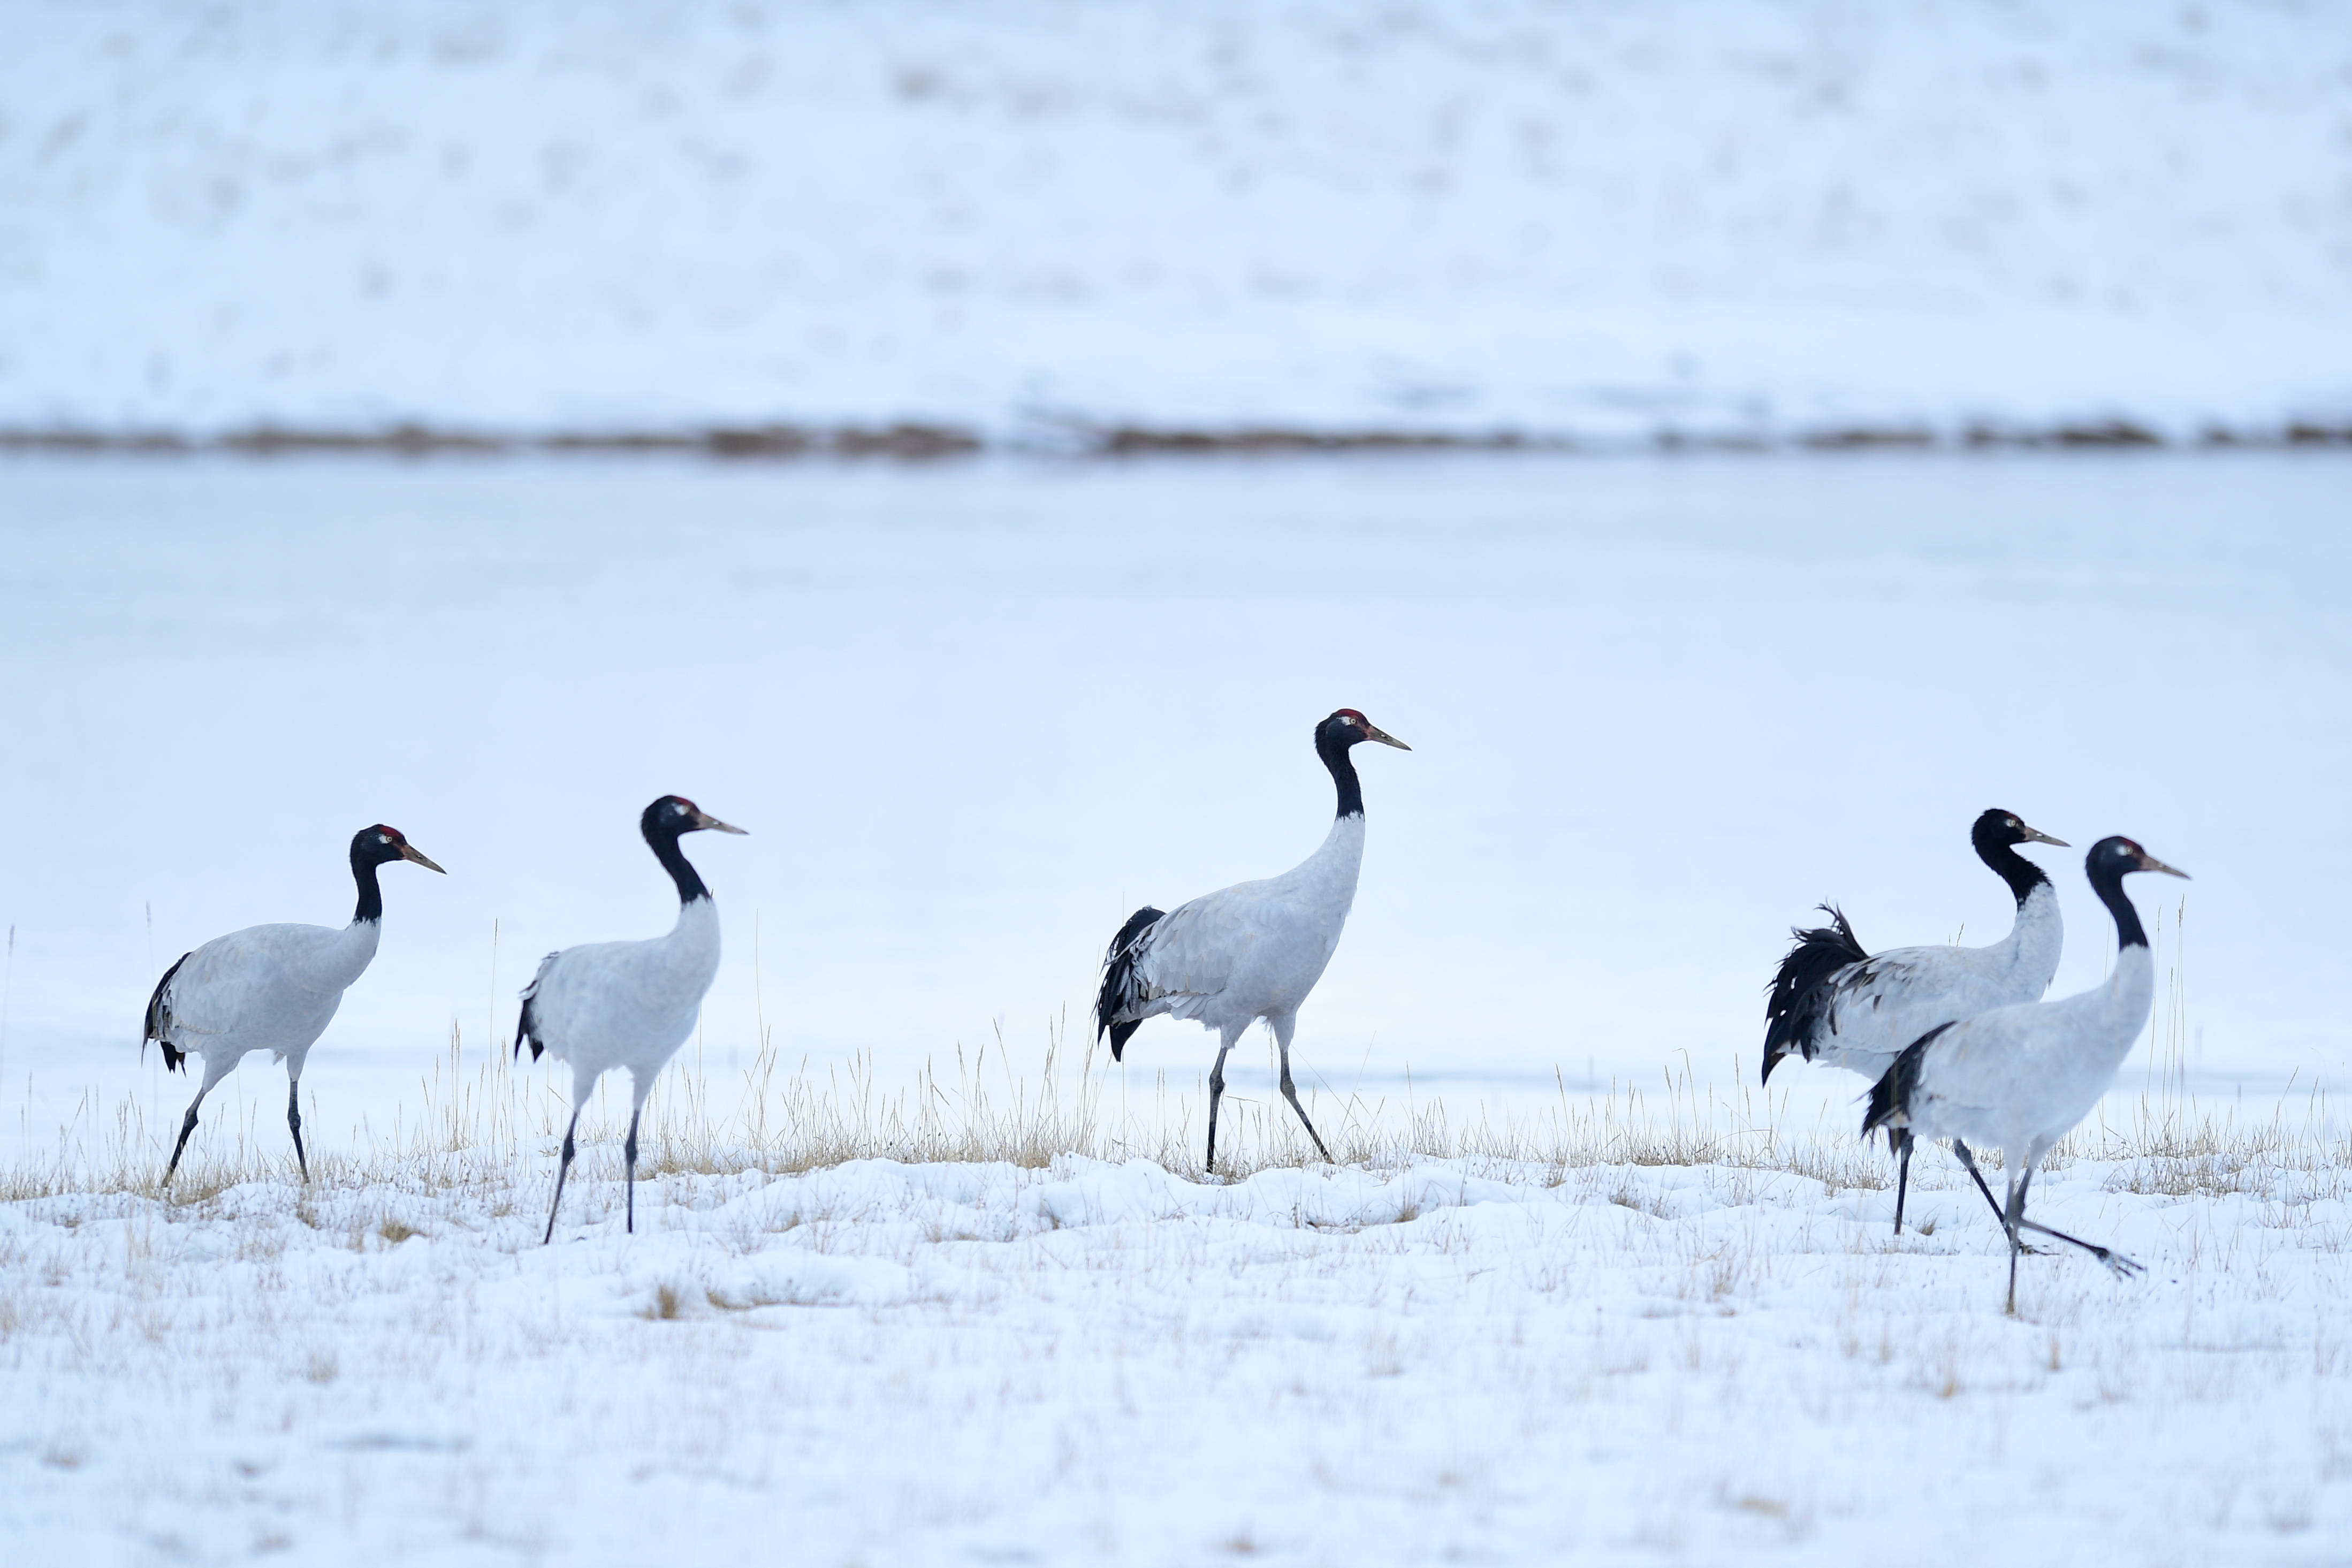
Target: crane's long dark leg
{"type": "Point", "coordinates": [2123, 1268]}
{"type": "Point", "coordinates": [2008, 1218]}
{"type": "Point", "coordinates": [561, 1171]}
{"type": "Point", "coordinates": [1901, 1138]}
{"type": "Point", "coordinates": [2016, 1212]}
{"type": "Point", "coordinates": [188, 1123]}
{"type": "Point", "coordinates": [1961, 1149]}
{"type": "Point", "coordinates": [1216, 1093]}
{"type": "Point", "coordinates": [1281, 1039]}
{"type": "Point", "coordinates": [629, 1155]}
{"type": "Point", "coordinates": [294, 1121]}
{"type": "Point", "coordinates": [1904, 1141]}
{"type": "Point", "coordinates": [1968, 1159]}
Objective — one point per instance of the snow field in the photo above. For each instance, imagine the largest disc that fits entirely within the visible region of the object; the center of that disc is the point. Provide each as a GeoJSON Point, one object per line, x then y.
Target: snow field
{"type": "Point", "coordinates": [1665, 1336]}
{"type": "Point", "coordinates": [1039, 222]}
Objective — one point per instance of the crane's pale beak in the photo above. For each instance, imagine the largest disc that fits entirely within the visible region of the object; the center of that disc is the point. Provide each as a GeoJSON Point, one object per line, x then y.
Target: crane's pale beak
{"type": "Point", "coordinates": [1374, 733]}
{"type": "Point", "coordinates": [411, 852]}
{"type": "Point", "coordinates": [703, 820]}
{"type": "Point", "coordinates": [2036, 835]}
{"type": "Point", "coordinates": [2149, 862]}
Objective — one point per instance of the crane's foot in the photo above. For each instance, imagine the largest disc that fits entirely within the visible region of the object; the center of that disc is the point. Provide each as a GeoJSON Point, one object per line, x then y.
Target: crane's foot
{"type": "Point", "coordinates": [2119, 1265]}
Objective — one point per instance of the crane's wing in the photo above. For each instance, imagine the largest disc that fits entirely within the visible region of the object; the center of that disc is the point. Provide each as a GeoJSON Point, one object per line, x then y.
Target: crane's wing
{"type": "Point", "coordinates": [575, 984]}
{"type": "Point", "coordinates": [1195, 949]}
{"type": "Point", "coordinates": [1886, 979]}
{"type": "Point", "coordinates": [1885, 1004]}
{"type": "Point", "coordinates": [231, 982]}
{"type": "Point", "coordinates": [1977, 1061]}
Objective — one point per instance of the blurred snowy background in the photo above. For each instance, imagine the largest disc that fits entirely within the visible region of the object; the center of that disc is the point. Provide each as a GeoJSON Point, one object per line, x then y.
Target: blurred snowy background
{"type": "Point", "coordinates": [975, 712]}
{"type": "Point", "coordinates": [1666, 690]}
{"type": "Point", "coordinates": [1046, 222]}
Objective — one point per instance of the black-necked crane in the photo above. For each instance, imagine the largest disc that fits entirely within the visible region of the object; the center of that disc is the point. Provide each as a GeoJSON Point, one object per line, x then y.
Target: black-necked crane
{"type": "Point", "coordinates": [2017, 1078]}
{"type": "Point", "coordinates": [270, 988]}
{"type": "Point", "coordinates": [627, 1004]}
{"type": "Point", "coordinates": [1251, 950]}
{"type": "Point", "coordinates": [1834, 1002]}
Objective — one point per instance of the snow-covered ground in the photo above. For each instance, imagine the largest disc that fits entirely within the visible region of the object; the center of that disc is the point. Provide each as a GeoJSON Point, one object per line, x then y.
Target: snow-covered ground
{"type": "Point", "coordinates": [1031, 219]}
{"type": "Point", "coordinates": [1594, 1357]}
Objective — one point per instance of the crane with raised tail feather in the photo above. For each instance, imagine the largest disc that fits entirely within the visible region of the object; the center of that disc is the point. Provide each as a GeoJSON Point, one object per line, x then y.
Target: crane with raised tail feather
{"type": "Point", "coordinates": [1251, 950]}
{"type": "Point", "coordinates": [1834, 1002]}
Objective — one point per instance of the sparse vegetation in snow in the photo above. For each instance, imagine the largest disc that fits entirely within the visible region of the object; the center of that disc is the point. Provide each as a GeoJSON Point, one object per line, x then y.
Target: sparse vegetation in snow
{"type": "Point", "coordinates": [973, 1318]}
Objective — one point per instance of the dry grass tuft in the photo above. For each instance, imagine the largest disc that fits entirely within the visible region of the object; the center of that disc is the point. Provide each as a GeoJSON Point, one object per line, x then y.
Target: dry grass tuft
{"type": "Point", "coordinates": [482, 1130]}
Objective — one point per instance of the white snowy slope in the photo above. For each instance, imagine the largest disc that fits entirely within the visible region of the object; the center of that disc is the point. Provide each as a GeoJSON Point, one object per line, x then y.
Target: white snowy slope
{"type": "Point", "coordinates": [1592, 219]}
{"type": "Point", "coordinates": [1102, 1363]}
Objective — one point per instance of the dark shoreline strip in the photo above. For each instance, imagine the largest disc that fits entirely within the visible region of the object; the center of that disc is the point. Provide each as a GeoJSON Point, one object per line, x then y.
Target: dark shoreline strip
{"type": "Point", "coordinates": [913, 442]}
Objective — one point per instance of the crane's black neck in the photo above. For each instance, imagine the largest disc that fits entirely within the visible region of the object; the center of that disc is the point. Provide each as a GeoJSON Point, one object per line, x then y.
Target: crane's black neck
{"type": "Point", "coordinates": [2021, 875]}
{"type": "Point", "coordinates": [364, 870]}
{"type": "Point", "coordinates": [666, 850]}
{"type": "Point", "coordinates": [2107, 881]}
{"type": "Point", "coordinates": [371, 896]}
{"type": "Point", "coordinates": [1333, 749]}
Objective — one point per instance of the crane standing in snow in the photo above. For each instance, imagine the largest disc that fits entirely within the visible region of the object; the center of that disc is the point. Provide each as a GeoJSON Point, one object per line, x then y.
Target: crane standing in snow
{"type": "Point", "coordinates": [2019, 1077]}
{"type": "Point", "coordinates": [1834, 1002]}
{"type": "Point", "coordinates": [627, 1004]}
{"type": "Point", "coordinates": [1252, 951]}
{"type": "Point", "coordinates": [270, 988]}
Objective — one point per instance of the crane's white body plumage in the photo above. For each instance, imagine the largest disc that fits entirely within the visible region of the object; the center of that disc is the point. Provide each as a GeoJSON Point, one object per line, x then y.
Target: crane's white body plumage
{"type": "Point", "coordinates": [1880, 1006]}
{"type": "Point", "coordinates": [2018, 1079]}
{"type": "Point", "coordinates": [270, 988]}
{"type": "Point", "coordinates": [631, 1004]}
{"type": "Point", "coordinates": [1254, 950]}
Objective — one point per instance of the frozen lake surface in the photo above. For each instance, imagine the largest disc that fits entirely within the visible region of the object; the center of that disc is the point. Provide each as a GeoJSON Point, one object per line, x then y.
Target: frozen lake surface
{"type": "Point", "coordinates": [974, 713]}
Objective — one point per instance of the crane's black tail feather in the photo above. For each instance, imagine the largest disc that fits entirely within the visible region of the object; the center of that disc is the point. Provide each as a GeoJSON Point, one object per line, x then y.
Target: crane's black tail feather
{"type": "Point", "coordinates": [159, 1018]}
{"type": "Point", "coordinates": [1798, 1006]}
{"type": "Point", "coordinates": [1122, 987]}
{"type": "Point", "coordinates": [1890, 1097]}
{"type": "Point", "coordinates": [527, 1022]}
